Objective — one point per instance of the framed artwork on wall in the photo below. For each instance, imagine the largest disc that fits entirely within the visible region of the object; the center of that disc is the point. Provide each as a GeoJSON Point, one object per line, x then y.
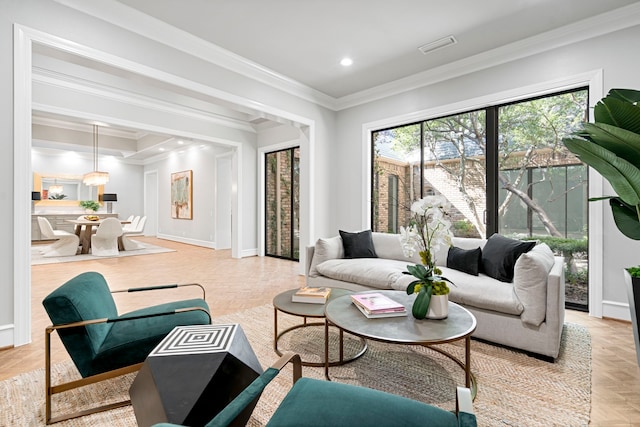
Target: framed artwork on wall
{"type": "Point", "coordinates": [181, 195]}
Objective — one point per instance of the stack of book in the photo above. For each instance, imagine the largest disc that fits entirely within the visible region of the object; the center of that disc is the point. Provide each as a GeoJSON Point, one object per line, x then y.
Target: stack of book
{"type": "Point", "coordinates": [375, 305]}
{"type": "Point", "coordinates": [311, 295]}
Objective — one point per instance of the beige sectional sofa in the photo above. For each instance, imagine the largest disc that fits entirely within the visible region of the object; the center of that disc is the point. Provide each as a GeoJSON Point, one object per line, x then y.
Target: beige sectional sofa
{"type": "Point", "coordinates": [527, 314]}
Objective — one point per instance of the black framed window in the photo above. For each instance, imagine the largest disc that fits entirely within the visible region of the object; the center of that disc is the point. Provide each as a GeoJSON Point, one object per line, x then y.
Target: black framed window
{"type": "Point", "coordinates": [504, 170]}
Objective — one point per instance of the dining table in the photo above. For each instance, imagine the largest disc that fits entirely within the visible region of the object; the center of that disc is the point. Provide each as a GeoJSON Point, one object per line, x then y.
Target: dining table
{"type": "Point", "coordinates": [84, 230]}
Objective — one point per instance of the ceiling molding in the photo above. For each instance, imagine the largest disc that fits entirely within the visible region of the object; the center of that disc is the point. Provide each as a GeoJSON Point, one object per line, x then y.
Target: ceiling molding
{"type": "Point", "coordinates": [86, 127]}
{"type": "Point", "coordinates": [132, 20]}
{"type": "Point", "coordinates": [89, 87]}
{"type": "Point", "coordinates": [616, 20]}
{"type": "Point", "coordinates": [147, 26]}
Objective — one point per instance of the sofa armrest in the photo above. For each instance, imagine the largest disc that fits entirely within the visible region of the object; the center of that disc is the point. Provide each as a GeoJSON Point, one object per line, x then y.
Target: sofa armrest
{"type": "Point", "coordinates": [556, 294]}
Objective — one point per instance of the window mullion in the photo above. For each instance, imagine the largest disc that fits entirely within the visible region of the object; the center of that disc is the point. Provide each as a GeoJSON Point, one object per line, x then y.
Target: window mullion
{"type": "Point", "coordinates": [491, 167]}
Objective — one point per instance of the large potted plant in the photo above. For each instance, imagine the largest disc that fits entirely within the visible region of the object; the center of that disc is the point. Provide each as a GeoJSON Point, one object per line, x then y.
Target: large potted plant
{"type": "Point", "coordinates": [611, 145]}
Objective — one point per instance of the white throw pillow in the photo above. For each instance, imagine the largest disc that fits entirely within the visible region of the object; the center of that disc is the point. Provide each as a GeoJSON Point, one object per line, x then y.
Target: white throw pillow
{"type": "Point", "coordinates": [326, 249]}
{"type": "Point", "coordinates": [530, 277]}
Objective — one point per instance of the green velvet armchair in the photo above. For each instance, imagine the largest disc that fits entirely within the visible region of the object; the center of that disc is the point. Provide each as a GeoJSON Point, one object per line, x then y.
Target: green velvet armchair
{"type": "Point", "coordinates": [103, 344]}
{"type": "Point", "coordinates": [319, 403]}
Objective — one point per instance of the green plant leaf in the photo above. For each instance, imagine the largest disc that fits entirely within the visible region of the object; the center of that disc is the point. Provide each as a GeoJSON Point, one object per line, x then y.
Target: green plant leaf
{"type": "Point", "coordinates": [621, 142]}
{"type": "Point", "coordinates": [419, 271]}
{"type": "Point", "coordinates": [626, 218]}
{"type": "Point", "coordinates": [619, 113]}
{"type": "Point", "coordinates": [412, 286]}
{"type": "Point", "coordinates": [628, 95]}
{"type": "Point", "coordinates": [421, 304]}
{"type": "Point", "coordinates": [622, 175]}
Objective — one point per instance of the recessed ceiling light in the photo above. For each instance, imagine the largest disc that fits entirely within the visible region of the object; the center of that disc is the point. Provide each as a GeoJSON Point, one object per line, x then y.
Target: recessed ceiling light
{"type": "Point", "coordinates": [161, 149]}
{"type": "Point", "coordinates": [180, 142]}
{"type": "Point", "coordinates": [346, 62]}
{"type": "Point", "coordinates": [440, 43]}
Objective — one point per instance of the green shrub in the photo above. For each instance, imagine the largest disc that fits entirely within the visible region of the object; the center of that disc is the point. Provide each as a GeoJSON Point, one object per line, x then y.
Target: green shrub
{"type": "Point", "coordinates": [580, 277]}
{"type": "Point", "coordinates": [563, 245]}
{"type": "Point", "coordinates": [464, 228]}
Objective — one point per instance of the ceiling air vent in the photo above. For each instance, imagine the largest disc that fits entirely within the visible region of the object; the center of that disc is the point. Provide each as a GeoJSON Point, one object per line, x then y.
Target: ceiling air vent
{"type": "Point", "coordinates": [440, 43]}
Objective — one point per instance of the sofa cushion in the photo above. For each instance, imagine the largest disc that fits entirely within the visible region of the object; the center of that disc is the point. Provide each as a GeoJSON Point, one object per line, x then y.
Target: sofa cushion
{"type": "Point", "coordinates": [388, 246]}
{"type": "Point", "coordinates": [465, 260]}
{"type": "Point", "coordinates": [358, 245]}
{"type": "Point", "coordinates": [530, 282]}
{"type": "Point", "coordinates": [483, 292]}
{"type": "Point", "coordinates": [374, 272]}
{"type": "Point", "coordinates": [325, 249]}
{"type": "Point", "coordinates": [500, 254]}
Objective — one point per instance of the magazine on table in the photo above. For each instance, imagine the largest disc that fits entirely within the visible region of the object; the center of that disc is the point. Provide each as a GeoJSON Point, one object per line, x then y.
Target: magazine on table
{"type": "Point", "coordinates": [381, 314]}
{"type": "Point", "coordinates": [377, 303]}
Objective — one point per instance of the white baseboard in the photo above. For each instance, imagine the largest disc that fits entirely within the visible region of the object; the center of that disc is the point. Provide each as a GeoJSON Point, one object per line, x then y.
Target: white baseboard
{"type": "Point", "coordinates": [249, 252]}
{"type": "Point", "coordinates": [616, 310]}
{"type": "Point", "coordinates": [204, 243]}
{"type": "Point", "coordinates": [195, 242]}
{"type": "Point", "coordinates": [6, 336]}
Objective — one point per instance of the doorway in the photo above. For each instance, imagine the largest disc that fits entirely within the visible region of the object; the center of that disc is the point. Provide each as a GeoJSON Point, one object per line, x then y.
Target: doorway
{"type": "Point", "coordinates": [282, 204]}
{"type": "Point", "coordinates": [223, 202]}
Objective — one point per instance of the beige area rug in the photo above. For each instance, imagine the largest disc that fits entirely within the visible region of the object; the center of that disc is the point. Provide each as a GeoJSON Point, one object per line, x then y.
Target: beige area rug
{"type": "Point", "coordinates": [513, 388]}
{"type": "Point", "coordinates": [148, 249]}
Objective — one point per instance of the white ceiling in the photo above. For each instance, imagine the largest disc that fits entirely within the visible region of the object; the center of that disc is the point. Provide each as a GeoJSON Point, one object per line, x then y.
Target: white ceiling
{"type": "Point", "coordinates": [303, 41]}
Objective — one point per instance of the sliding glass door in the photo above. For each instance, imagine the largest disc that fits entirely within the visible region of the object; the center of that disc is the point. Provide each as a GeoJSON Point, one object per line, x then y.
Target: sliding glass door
{"type": "Point", "coordinates": [282, 203]}
{"type": "Point", "coordinates": [503, 169]}
{"type": "Point", "coordinates": [542, 191]}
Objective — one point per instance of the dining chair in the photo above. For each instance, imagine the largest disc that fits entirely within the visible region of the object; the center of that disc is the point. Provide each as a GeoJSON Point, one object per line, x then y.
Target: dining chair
{"type": "Point", "coordinates": [129, 244]}
{"type": "Point", "coordinates": [133, 223]}
{"type": "Point", "coordinates": [66, 244]}
{"type": "Point", "coordinates": [105, 241]}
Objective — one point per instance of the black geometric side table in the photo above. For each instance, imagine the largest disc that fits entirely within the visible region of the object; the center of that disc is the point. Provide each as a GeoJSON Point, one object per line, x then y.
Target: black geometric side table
{"type": "Point", "coordinates": [193, 374]}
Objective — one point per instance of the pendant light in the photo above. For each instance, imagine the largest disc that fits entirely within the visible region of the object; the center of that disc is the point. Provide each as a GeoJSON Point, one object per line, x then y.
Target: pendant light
{"type": "Point", "coordinates": [55, 188]}
{"type": "Point", "coordinates": [96, 177]}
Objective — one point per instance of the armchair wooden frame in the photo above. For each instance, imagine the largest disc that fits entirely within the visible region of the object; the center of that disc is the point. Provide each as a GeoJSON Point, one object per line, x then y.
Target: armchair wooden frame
{"type": "Point", "coordinates": [60, 388]}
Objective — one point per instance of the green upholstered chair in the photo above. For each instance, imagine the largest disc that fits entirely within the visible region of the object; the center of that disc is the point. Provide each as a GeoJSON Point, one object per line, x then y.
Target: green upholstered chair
{"type": "Point", "coordinates": [102, 343]}
{"type": "Point", "coordinates": [320, 403]}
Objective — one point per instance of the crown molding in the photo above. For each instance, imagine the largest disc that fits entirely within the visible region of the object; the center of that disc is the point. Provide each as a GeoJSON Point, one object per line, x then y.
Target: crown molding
{"type": "Point", "coordinates": [147, 26]}
{"type": "Point", "coordinates": [93, 88]}
{"type": "Point", "coordinates": [86, 127]}
{"type": "Point", "coordinates": [606, 23]}
{"type": "Point", "coordinates": [132, 20]}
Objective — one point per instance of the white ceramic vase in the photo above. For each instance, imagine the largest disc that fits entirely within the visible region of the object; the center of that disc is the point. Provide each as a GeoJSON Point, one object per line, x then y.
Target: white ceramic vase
{"type": "Point", "coordinates": [438, 307]}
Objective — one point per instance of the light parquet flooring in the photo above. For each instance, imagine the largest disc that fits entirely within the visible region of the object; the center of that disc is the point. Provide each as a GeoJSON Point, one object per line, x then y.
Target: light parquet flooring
{"type": "Point", "coordinates": [234, 285]}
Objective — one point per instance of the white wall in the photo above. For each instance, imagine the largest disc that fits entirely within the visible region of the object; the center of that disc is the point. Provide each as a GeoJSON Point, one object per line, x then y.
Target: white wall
{"type": "Point", "coordinates": [607, 54]}
{"type": "Point", "coordinates": [93, 37]}
{"type": "Point", "coordinates": [125, 180]}
{"type": "Point", "coordinates": [200, 230]}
